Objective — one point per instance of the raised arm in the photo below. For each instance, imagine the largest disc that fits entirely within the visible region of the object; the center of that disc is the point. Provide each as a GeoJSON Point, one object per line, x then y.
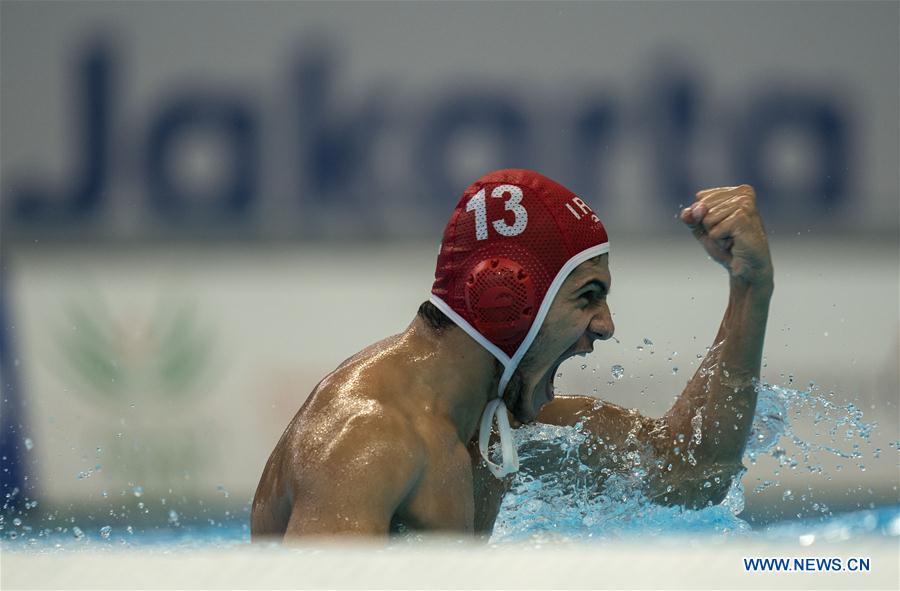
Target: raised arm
{"type": "Point", "coordinates": [702, 437]}
{"type": "Point", "coordinates": [718, 403]}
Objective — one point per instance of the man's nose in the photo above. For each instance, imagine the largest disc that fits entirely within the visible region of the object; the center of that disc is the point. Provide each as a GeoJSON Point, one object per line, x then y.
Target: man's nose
{"type": "Point", "coordinates": [602, 325]}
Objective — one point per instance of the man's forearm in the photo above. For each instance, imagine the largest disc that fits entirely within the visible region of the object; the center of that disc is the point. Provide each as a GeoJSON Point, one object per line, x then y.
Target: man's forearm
{"type": "Point", "coordinates": [715, 411]}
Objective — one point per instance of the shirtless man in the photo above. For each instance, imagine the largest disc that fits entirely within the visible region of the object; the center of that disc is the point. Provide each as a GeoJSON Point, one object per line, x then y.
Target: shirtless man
{"type": "Point", "coordinates": [391, 440]}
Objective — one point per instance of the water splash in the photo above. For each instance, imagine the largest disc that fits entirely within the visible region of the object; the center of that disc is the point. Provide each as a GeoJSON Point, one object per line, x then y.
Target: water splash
{"type": "Point", "coordinates": [564, 492]}
{"type": "Point", "coordinates": [564, 501]}
{"type": "Point", "coordinates": [567, 499]}
{"type": "Point", "coordinates": [842, 421]}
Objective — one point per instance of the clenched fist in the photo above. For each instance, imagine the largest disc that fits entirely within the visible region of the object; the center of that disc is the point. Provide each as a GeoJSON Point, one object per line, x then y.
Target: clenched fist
{"type": "Point", "coordinates": [727, 223]}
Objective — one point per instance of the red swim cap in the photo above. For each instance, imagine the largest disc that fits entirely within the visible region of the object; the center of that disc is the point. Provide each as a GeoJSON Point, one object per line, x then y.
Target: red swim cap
{"type": "Point", "coordinates": [512, 240]}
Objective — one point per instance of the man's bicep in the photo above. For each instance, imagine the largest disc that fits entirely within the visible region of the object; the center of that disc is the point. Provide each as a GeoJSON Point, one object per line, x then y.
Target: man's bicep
{"type": "Point", "coordinates": [566, 411]}
{"type": "Point", "coordinates": [337, 513]}
{"type": "Point", "coordinates": [610, 422]}
{"type": "Point", "coordinates": [353, 491]}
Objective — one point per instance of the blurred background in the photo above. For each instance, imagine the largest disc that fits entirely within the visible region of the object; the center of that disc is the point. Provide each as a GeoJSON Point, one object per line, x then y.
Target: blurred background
{"type": "Point", "coordinates": [207, 206]}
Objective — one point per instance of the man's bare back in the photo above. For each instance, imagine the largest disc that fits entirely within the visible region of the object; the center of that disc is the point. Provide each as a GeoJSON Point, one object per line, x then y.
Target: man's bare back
{"type": "Point", "coordinates": [361, 424]}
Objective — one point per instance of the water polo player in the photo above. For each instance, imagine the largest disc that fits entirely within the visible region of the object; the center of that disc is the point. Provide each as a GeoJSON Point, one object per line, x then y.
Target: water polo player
{"type": "Point", "coordinates": [398, 436]}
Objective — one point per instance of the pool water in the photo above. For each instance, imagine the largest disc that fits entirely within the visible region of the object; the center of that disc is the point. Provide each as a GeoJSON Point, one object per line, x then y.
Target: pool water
{"type": "Point", "coordinates": [565, 505]}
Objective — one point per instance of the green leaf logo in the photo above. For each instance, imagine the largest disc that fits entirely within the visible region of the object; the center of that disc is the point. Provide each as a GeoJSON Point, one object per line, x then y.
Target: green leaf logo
{"type": "Point", "coordinates": [163, 357]}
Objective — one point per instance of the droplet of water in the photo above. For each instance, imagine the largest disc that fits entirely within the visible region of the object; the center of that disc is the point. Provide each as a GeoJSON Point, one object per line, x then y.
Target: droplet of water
{"type": "Point", "coordinates": [173, 517]}
{"type": "Point", "coordinates": [105, 531]}
{"type": "Point", "coordinates": [29, 444]}
{"type": "Point", "coordinates": [17, 522]}
{"type": "Point", "coordinates": [674, 370]}
{"type": "Point", "coordinates": [648, 341]}
{"type": "Point", "coordinates": [76, 531]}
{"type": "Point", "coordinates": [617, 371]}
{"type": "Point", "coordinates": [138, 491]}
{"type": "Point", "coordinates": [222, 490]}
{"type": "Point", "coordinates": [893, 528]}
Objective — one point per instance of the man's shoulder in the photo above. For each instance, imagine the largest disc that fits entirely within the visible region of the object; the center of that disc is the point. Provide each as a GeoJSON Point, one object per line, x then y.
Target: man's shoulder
{"type": "Point", "coordinates": [344, 425]}
{"type": "Point", "coordinates": [357, 411]}
{"type": "Point", "coordinates": [373, 448]}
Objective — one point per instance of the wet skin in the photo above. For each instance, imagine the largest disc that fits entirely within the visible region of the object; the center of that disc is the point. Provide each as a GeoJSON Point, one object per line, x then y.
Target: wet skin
{"type": "Point", "coordinates": [388, 441]}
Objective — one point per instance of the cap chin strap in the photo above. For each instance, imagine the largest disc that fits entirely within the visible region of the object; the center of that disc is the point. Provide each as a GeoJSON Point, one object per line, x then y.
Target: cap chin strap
{"type": "Point", "coordinates": [496, 409]}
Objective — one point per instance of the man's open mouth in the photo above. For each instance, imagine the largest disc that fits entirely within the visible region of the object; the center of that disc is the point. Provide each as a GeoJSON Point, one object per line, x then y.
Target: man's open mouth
{"type": "Point", "coordinates": [552, 377]}
{"type": "Point", "coordinates": [554, 370]}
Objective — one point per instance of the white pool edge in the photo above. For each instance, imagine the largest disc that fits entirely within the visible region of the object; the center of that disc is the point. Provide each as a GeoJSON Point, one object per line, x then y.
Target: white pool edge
{"type": "Point", "coordinates": [438, 565]}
